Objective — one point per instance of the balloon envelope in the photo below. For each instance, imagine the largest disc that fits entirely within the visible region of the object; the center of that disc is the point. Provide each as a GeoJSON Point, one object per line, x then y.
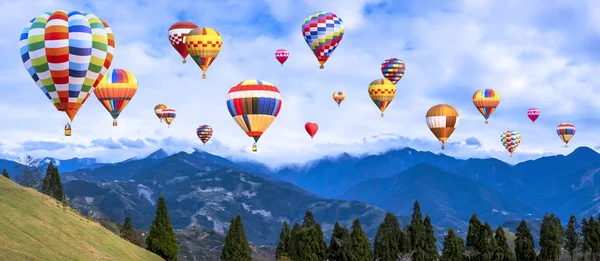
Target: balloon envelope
{"type": "Point", "coordinates": [311, 128]}
{"type": "Point", "coordinates": [393, 69]}
{"type": "Point", "coordinates": [339, 97]}
{"type": "Point", "coordinates": [486, 101]}
{"type": "Point", "coordinates": [533, 114]}
{"type": "Point", "coordinates": [510, 140]}
{"type": "Point", "coordinates": [158, 111]}
{"type": "Point", "coordinates": [382, 93]}
{"type": "Point", "coordinates": [323, 32]}
{"type": "Point", "coordinates": [442, 120]}
{"type": "Point", "coordinates": [282, 55]}
{"type": "Point", "coordinates": [177, 35]}
{"type": "Point", "coordinates": [203, 45]}
{"type": "Point", "coordinates": [565, 132]}
{"type": "Point", "coordinates": [116, 90]}
{"type": "Point", "coordinates": [204, 132]}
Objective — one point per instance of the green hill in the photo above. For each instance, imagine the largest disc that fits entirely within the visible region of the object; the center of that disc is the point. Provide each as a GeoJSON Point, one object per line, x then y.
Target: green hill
{"type": "Point", "coordinates": [34, 226]}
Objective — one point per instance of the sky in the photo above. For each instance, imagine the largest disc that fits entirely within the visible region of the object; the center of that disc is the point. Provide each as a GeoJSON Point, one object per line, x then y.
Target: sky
{"type": "Point", "coordinates": [534, 53]}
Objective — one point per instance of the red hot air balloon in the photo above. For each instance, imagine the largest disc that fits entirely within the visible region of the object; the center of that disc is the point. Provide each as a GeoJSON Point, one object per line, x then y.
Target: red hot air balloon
{"type": "Point", "coordinates": [533, 114]}
{"type": "Point", "coordinates": [177, 34]}
{"type": "Point", "coordinates": [282, 55]}
{"type": "Point", "coordinates": [311, 128]}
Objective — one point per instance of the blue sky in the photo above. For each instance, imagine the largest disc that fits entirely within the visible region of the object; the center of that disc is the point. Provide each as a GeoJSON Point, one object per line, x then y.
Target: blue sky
{"type": "Point", "coordinates": [535, 54]}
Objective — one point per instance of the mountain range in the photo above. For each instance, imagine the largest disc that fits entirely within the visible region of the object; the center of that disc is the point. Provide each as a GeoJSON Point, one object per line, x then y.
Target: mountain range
{"type": "Point", "coordinates": [207, 190]}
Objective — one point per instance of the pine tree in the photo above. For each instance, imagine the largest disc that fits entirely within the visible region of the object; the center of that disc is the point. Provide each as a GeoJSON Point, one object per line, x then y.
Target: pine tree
{"type": "Point", "coordinates": [585, 246]}
{"type": "Point", "coordinates": [361, 247]}
{"type": "Point", "coordinates": [550, 238]}
{"type": "Point", "coordinates": [486, 242]}
{"type": "Point", "coordinates": [405, 239]}
{"type": "Point", "coordinates": [501, 251]}
{"type": "Point", "coordinates": [388, 239]}
{"type": "Point", "coordinates": [51, 184]}
{"type": "Point", "coordinates": [293, 243]}
{"type": "Point", "coordinates": [571, 241]}
{"type": "Point", "coordinates": [284, 239]}
{"type": "Point", "coordinates": [161, 237]}
{"type": "Point", "coordinates": [340, 244]}
{"type": "Point", "coordinates": [473, 236]}
{"type": "Point", "coordinates": [453, 247]}
{"type": "Point", "coordinates": [47, 185]}
{"type": "Point", "coordinates": [593, 237]}
{"type": "Point", "coordinates": [430, 248]}
{"type": "Point", "coordinates": [524, 248]}
{"type": "Point", "coordinates": [314, 239]}
{"type": "Point", "coordinates": [129, 233]}
{"type": "Point", "coordinates": [236, 246]}
{"type": "Point", "coordinates": [5, 174]}
{"type": "Point", "coordinates": [417, 234]}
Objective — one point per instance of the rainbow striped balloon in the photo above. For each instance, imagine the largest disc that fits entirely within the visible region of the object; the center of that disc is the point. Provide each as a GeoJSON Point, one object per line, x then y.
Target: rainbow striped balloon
{"type": "Point", "coordinates": [115, 91]}
{"type": "Point", "coordinates": [486, 101]}
{"type": "Point", "coordinates": [565, 132]}
{"type": "Point", "coordinates": [169, 115]}
{"type": "Point", "coordinates": [66, 55]}
{"type": "Point", "coordinates": [204, 132]}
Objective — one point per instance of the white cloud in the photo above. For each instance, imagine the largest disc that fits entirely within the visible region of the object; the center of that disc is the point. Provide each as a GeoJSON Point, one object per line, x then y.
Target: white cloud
{"type": "Point", "coordinates": [450, 51]}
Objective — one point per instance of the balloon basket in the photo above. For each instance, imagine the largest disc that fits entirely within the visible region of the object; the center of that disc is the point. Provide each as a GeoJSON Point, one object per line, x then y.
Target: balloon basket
{"type": "Point", "coordinates": [168, 126]}
{"type": "Point", "coordinates": [115, 123]}
{"type": "Point", "coordinates": [382, 114]}
{"type": "Point", "coordinates": [254, 148]}
{"type": "Point", "coordinates": [183, 61]}
{"type": "Point", "coordinates": [511, 155]}
{"type": "Point", "coordinates": [203, 76]}
{"type": "Point", "coordinates": [68, 129]}
{"type": "Point", "coordinates": [443, 147]}
{"type": "Point", "coordinates": [322, 67]}
{"type": "Point", "coordinates": [486, 122]}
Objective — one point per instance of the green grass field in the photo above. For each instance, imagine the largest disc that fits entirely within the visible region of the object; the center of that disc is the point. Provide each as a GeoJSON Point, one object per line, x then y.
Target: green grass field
{"type": "Point", "coordinates": [34, 226]}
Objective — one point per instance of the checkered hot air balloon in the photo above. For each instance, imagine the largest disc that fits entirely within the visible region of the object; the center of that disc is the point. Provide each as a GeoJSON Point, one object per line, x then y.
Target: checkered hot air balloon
{"type": "Point", "coordinates": [66, 55]}
{"type": "Point", "coordinates": [282, 55]}
{"type": "Point", "coordinates": [323, 32]}
{"type": "Point", "coordinates": [393, 69]}
{"type": "Point", "coordinates": [204, 132]}
{"type": "Point", "coordinates": [115, 91]}
{"type": "Point", "coordinates": [510, 140]}
{"type": "Point", "coordinates": [442, 120]}
{"type": "Point", "coordinates": [254, 104]}
{"type": "Point", "coordinates": [169, 115]}
{"type": "Point", "coordinates": [382, 93]}
{"type": "Point", "coordinates": [204, 44]}
{"type": "Point", "coordinates": [177, 35]}
{"type": "Point", "coordinates": [565, 132]}
{"type": "Point", "coordinates": [339, 97]}
{"type": "Point", "coordinates": [486, 102]}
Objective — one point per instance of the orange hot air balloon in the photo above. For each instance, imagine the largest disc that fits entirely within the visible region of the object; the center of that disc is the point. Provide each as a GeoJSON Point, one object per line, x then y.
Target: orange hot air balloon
{"type": "Point", "coordinates": [158, 111]}
{"type": "Point", "coordinates": [442, 120]}
{"type": "Point", "coordinates": [339, 97]}
{"type": "Point", "coordinates": [115, 91]}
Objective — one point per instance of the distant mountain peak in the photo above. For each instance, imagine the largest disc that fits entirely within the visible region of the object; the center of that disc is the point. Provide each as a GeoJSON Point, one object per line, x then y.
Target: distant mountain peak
{"type": "Point", "coordinates": [159, 154]}
{"type": "Point", "coordinates": [583, 151]}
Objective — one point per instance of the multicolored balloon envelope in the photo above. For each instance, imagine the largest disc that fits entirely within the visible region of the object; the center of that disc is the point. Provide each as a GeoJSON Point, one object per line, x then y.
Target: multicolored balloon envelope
{"type": "Point", "coordinates": [169, 115]}
{"type": "Point", "coordinates": [339, 97]}
{"type": "Point", "coordinates": [177, 35]}
{"type": "Point", "coordinates": [254, 104]}
{"type": "Point", "coordinates": [533, 114]}
{"type": "Point", "coordinates": [382, 92]}
{"type": "Point", "coordinates": [510, 140]}
{"type": "Point", "coordinates": [115, 91]}
{"type": "Point", "coordinates": [442, 120]}
{"type": "Point", "coordinates": [282, 55]}
{"type": "Point", "coordinates": [323, 32]}
{"type": "Point", "coordinates": [393, 69]}
{"type": "Point", "coordinates": [158, 111]}
{"type": "Point", "coordinates": [66, 55]}
{"type": "Point", "coordinates": [204, 44]}
{"type": "Point", "coordinates": [486, 102]}
{"type": "Point", "coordinates": [204, 132]}
{"type": "Point", "coordinates": [565, 132]}
{"type": "Point", "coordinates": [311, 128]}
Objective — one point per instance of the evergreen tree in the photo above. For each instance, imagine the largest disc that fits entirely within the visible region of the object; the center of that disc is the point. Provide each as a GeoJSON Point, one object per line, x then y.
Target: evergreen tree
{"type": "Point", "coordinates": [430, 248]}
{"type": "Point", "coordinates": [486, 242]}
{"type": "Point", "coordinates": [593, 237]}
{"type": "Point", "coordinates": [47, 185]}
{"type": "Point", "coordinates": [388, 239]}
{"type": "Point", "coordinates": [284, 239]}
{"type": "Point", "coordinates": [473, 235]}
{"type": "Point", "coordinates": [129, 233]}
{"type": "Point", "coordinates": [501, 251]}
{"type": "Point", "coordinates": [293, 243]}
{"type": "Point", "coordinates": [236, 246]}
{"type": "Point", "coordinates": [361, 247]}
{"type": "Point", "coordinates": [585, 246]}
{"type": "Point", "coordinates": [314, 240]}
{"type": "Point", "coordinates": [405, 239]}
{"type": "Point", "coordinates": [51, 184]}
{"type": "Point", "coordinates": [417, 233]}
{"type": "Point", "coordinates": [524, 248]}
{"type": "Point", "coordinates": [161, 237]}
{"type": "Point", "coordinates": [453, 247]}
{"type": "Point", "coordinates": [57, 192]}
{"type": "Point", "coordinates": [571, 241]}
{"type": "Point", "coordinates": [550, 238]}
{"type": "Point", "coordinates": [5, 174]}
{"type": "Point", "coordinates": [340, 244]}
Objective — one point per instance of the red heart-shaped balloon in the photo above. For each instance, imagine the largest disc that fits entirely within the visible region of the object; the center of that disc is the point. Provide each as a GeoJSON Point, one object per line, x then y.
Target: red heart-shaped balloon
{"type": "Point", "coordinates": [311, 128]}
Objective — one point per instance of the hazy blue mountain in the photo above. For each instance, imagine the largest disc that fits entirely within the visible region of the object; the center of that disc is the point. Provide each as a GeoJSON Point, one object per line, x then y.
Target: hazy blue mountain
{"type": "Point", "coordinates": [69, 165]}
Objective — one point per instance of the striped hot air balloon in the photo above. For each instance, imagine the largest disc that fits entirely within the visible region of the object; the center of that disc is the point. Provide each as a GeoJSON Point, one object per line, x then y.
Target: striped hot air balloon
{"type": "Point", "coordinates": [158, 111]}
{"type": "Point", "coordinates": [565, 131]}
{"type": "Point", "coordinates": [204, 132]}
{"type": "Point", "coordinates": [66, 55]}
{"type": "Point", "coordinates": [323, 32]}
{"type": "Point", "coordinates": [510, 140]}
{"type": "Point", "coordinates": [115, 91]}
{"type": "Point", "coordinates": [486, 102]}
{"type": "Point", "coordinates": [382, 93]}
{"type": "Point", "coordinates": [177, 35]}
{"type": "Point", "coordinates": [442, 120]}
{"type": "Point", "coordinates": [393, 69]}
{"type": "Point", "coordinates": [168, 115]}
{"type": "Point", "coordinates": [339, 97]}
{"type": "Point", "coordinates": [254, 104]}
{"type": "Point", "coordinates": [204, 44]}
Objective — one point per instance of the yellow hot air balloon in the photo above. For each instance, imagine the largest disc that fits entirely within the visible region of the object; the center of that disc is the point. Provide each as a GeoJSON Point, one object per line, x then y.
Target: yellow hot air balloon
{"type": "Point", "coordinates": [442, 120]}
{"type": "Point", "coordinates": [382, 92]}
{"type": "Point", "coordinates": [158, 111]}
{"type": "Point", "coordinates": [203, 45]}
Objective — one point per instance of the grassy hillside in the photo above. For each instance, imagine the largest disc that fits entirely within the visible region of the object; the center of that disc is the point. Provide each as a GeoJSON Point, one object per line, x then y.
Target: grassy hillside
{"type": "Point", "coordinates": [36, 227]}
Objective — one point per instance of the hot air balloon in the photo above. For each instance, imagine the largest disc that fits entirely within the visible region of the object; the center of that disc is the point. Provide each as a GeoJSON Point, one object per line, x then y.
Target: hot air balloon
{"type": "Point", "coordinates": [158, 111]}
{"type": "Point", "coordinates": [533, 114]}
{"type": "Point", "coordinates": [115, 91]}
{"type": "Point", "coordinates": [393, 69]}
{"type": "Point", "coordinates": [486, 102]}
{"type": "Point", "coordinates": [566, 131]}
{"type": "Point", "coordinates": [66, 55]}
{"type": "Point", "coordinates": [169, 115]}
{"type": "Point", "coordinates": [254, 104]}
{"type": "Point", "coordinates": [511, 140]}
{"type": "Point", "coordinates": [204, 44]}
{"type": "Point", "coordinates": [442, 119]}
{"type": "Point", "coordinates": [311, 128]}
{"type": "Point", "coordinates": [177, 34]}
{"type": "Point", "coordinates": [323, 32]}
{"type": "Point", "coordinates": [339, 97]}
{"type": "Point", "coordinates": [382, 92]}
{"type": "Point", "coordinates": [204, 132]}
{"type": "Point", "coordinates": [282, 55]}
